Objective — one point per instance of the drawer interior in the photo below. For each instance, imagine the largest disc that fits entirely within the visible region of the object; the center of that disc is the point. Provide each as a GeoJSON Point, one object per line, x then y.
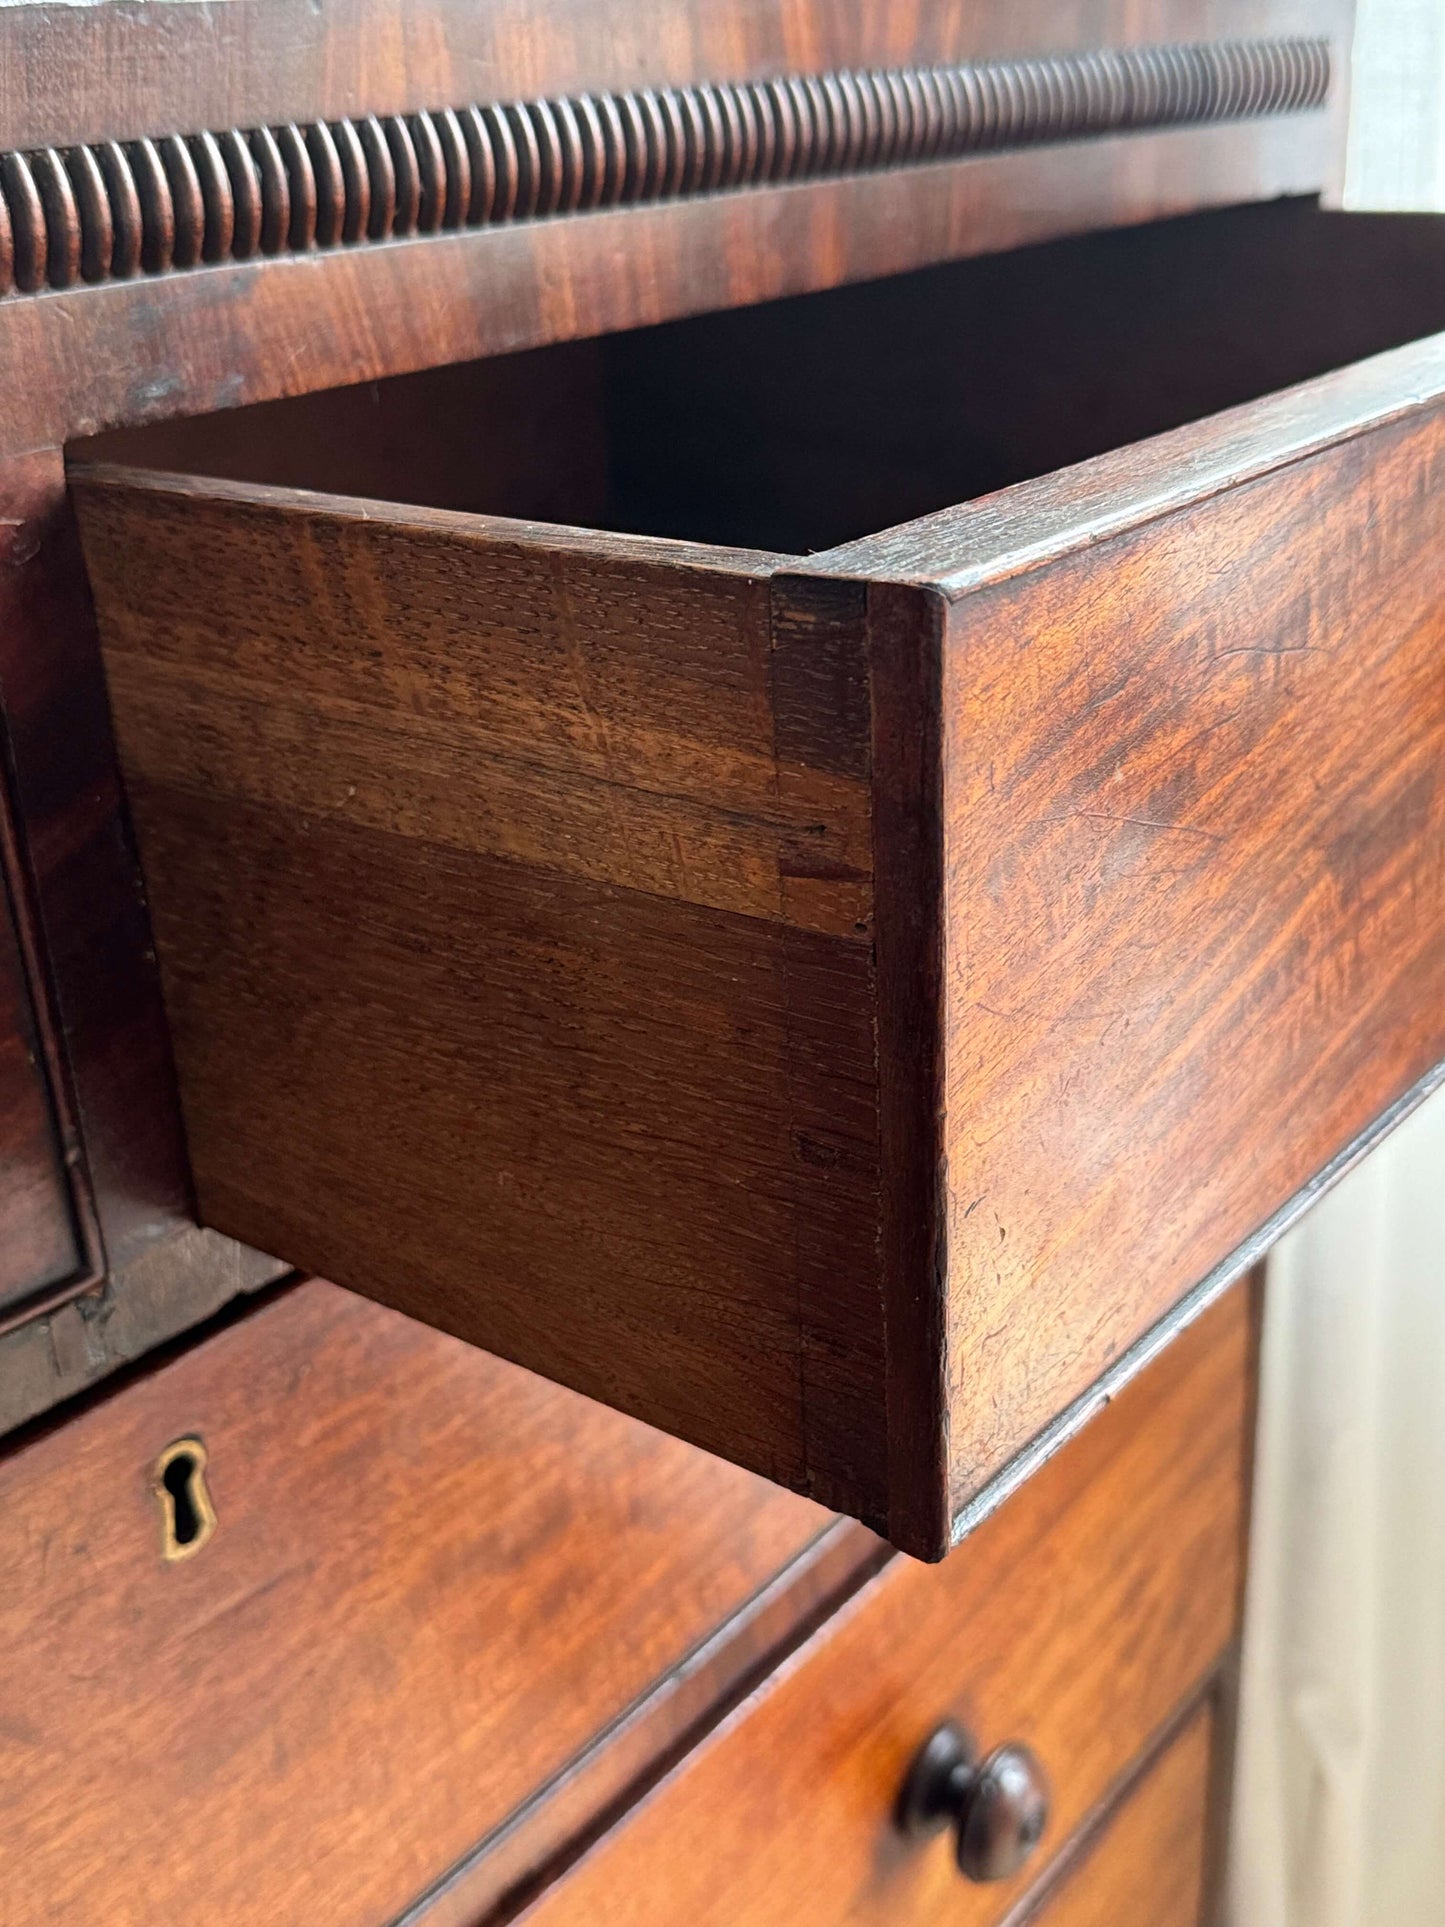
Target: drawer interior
{"type": "Point", "coordinates": [800, 424]}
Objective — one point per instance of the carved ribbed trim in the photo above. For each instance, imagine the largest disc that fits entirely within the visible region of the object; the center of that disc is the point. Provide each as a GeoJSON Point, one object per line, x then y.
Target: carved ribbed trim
{"type": "Point", "coordinates": [101, 213]}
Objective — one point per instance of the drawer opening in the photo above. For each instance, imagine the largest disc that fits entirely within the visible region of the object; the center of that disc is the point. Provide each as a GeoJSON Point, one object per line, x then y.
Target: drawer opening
{"type": "Point", "coordinates": [800, 424]}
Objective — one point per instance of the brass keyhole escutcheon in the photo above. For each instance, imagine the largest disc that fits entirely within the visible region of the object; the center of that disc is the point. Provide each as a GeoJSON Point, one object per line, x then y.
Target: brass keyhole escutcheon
{"type": "Point", "coordinates": [187, 1516]}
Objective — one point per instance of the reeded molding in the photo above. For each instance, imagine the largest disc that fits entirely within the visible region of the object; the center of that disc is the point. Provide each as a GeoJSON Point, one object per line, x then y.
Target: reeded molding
{"type": "Point", "coordinates": [117, 209]}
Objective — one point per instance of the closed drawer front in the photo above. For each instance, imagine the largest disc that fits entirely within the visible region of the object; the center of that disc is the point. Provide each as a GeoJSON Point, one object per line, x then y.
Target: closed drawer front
{"type": "Point", "coordinates": [855, 1000]}
{"type": "Point", "coordinates": [333, 1609]}
{"type": "Point", "coordinates": [1078, 1620]}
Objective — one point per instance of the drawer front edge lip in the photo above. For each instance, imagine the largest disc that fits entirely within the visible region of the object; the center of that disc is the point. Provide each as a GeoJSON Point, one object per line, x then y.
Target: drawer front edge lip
{"type": "Point", "coordinates": [449, 169]}
{"type": "Point", "coordinates": [18, 910]}
{"type": "Point", "coordinates": [906, 640]}
{"type": "Point", "coordinates": [514, 532]}
{"type": "Point", "coordinates": [859, 1563]}
{"type": "Point", "coordinates": [1213, 1285]}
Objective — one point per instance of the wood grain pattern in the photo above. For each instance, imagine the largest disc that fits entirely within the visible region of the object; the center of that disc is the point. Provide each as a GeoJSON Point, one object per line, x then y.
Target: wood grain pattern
{"type": "Point", "coordinates": [102, 110]}
{"type": "Point", "coordinates": [39, 1248]}
{"type": "Point", "coordinates": [1077, 1619]}
{"type": "Point", "coordinates": [148, 349]}
{"type": "Point", "coordinates": [434, 1585]}
{"type": "Point", "coordinates": [220, 196]}
{"type": "Point", "coordinates": [1117, 786]}
{"type": "Point", "coordinates": [1148, 1860]}
{"type": "Point", "coordinates": [615, 846]}
{"type": "Point", "coordinates": [68, 78]}
{"type": "Point", "coordinates": [1194, 855]}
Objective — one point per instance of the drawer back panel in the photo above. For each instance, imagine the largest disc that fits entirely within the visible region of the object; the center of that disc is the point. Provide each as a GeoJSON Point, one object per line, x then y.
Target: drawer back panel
{"type": "Point", "coordinates": [428, 1586]}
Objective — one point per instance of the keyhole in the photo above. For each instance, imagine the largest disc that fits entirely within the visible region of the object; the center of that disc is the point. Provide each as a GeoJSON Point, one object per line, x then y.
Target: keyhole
{"type": "Point", "coordinates": [187, 1516]}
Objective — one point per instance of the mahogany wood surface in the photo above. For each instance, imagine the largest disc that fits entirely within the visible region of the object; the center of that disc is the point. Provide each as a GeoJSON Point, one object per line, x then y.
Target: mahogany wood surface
{"type": "Point", "coordinates": [452, 1620]}
{"type": "Point", "coordinates": [118, 73]}
{"type": "Point", "coordinates": [1149, 1859]}
{"type": "Point", "coordinates": [110, 210]}
{"type": "Point", "coordinates": [39, 1247]}
{"type": "Point", "coordinates": [438, 1595]}
{"type": "Point", "coordinates": [1077, 1619]}
{"type": "Point", "coordinates": [82, 919]}
{"type": "Point", "coordinates": [226, 331]}
{"type": "Point", "coordinates": [579, 890]}
{"type": "Point", "coordinates": [216, 337]}
{"type": "Point", "coordinates": [585, 884]}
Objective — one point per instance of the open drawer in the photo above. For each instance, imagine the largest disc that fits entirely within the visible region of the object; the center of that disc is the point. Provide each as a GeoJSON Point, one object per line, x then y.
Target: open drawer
{"type": "Point", "coordinates": [843, 1007]}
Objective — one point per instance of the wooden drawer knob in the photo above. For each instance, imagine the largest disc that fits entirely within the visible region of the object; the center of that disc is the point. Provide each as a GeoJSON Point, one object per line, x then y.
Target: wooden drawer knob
{"type": "Point", "coordinates": [999, 1805]}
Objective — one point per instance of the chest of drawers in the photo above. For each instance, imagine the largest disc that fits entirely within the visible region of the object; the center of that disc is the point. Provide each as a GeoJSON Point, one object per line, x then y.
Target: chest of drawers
{"type": "Point", "coordinates": [737, 706]}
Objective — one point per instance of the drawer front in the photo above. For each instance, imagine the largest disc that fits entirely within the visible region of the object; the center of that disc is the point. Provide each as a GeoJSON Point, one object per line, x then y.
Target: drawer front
{"type": "Point", "coordinates": [1077, 1620]}
{"type": "Point", "coordinates": [857, 1004]}
{"type": "Point", "coordinates": [416, 1586]}
{"type": "Point", "coordinates": [1149, 1861]}
{"type": "Point", "coordinates": [1187, 847]}
{"type": "Point", "coordinates": [39, 1246]}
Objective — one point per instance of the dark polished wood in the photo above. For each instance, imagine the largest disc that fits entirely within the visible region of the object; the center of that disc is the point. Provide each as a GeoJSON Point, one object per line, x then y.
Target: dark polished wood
{"type": "Point", "coordinates": [1148, 1859]}
{"type": "Point", "coordinates": [114, 210]}
{"type": "Point", "coordinates": [68, 76]}
{"type": "Point", "coordinates": [443, 1604]}
{"type": "Point", "coordinates": [40, 1246]}
{"type": "Point", "coordinates": [139, 87]}
{"type": "Point", "coordinates": [148, 349]}
{"type": "Point", "coordinates": [1193, 917]}
{"type": "Point", "coordinates": [83, 916]}
{"type": "Point", "coordinates": [1081, 1618]}
{"type": "Point", "coordinates": [624, 900]}
{"type": "Point", "coordinates": [757, 859]}
{"type": "Point", "coordinates": [560, 935]}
